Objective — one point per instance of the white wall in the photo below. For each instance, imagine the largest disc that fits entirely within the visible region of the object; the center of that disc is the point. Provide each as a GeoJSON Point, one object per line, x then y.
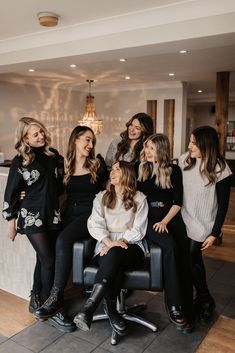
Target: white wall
{"type": "Point", "coordinates": [61, 109]}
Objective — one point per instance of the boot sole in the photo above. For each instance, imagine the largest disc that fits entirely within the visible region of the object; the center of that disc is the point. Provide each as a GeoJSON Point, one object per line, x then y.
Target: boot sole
{"type": "Point", "coordinates": [120, 333]}
{"type": "Point", "coordinates": [81, 324]}
{"type": "Point", "coordinates": [47, 316]}
{"type": "Point", "coordinates": [51, 322]}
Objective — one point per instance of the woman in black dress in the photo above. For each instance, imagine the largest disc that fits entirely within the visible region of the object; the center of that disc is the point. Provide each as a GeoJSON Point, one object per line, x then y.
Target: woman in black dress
{"type": "Point", "coordinates": [84, 178]}
{"type": "Point", "coordinates": [161, 182]}
{"type": "Point", "coordinates": [38, 170]}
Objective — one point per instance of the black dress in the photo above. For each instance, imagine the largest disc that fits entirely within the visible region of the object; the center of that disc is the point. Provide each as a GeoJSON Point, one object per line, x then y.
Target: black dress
{"type": "Point", "coordinates": [42, 182]}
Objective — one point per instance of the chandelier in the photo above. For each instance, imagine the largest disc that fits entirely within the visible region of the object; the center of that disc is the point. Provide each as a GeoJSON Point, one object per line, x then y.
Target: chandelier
{"type": "Point", "coordinates": [89, 118]}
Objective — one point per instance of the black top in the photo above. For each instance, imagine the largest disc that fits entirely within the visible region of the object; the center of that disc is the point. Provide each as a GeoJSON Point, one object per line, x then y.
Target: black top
{"type": "Point", "coordinates": [81, 192]}
{"type": "Point", "coordinates": [172, 196]}
{"type": "Point", "coordinates": [42, 182]}
{"type": "Point", "coordinates": [223, 192]}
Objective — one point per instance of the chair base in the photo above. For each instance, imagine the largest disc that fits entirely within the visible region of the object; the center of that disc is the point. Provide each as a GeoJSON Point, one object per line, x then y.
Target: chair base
{"type": "Point", "coordinates": [127, 314]}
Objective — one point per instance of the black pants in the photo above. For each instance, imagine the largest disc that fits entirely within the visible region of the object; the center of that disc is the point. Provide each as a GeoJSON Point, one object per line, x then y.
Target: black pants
{"type": "Point", "coordinates": [113, 265]}
{"type": "Point", "coordinates": [177, 277]}
{"type": "Point", "coordinates": [198, 269]}
{"type": "Point", "coordinates": [74, 228]}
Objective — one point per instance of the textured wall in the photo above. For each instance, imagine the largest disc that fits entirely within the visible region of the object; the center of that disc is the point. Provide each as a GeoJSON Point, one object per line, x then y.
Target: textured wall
{"type": "Point", "coordinates": [17, 259]}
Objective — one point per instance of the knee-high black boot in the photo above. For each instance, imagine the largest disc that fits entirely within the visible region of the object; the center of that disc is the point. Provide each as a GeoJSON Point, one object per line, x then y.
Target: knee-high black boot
{"type": "Point", "coordinates": [116, 321]}
{"type": "Point", "coordinates": [52, 305]}
{"type": "Point", "coordinates": [84, 318]}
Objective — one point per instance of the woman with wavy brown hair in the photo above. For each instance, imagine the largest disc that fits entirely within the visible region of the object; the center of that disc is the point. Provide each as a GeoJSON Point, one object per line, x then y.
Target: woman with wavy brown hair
{"type": "Point", "coordinates": [84, 178]}
{"type": "Point", "coordinates": [118, 222]}
{"type": "Point", "coordinates": [127, 147]}
{"type": "Point", "coordinates": [38, 170]}
{"type": "Point", "coordinates": [206, 181]}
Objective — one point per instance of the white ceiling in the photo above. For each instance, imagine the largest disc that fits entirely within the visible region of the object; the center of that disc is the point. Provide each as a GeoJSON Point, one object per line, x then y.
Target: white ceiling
{"type": "Point", "coordinates": [96, 34]}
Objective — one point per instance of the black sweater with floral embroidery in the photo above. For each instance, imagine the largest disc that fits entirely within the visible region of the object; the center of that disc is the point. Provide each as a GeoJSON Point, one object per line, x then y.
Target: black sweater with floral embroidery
{"type": "Point", "coordinates": [42, 181]}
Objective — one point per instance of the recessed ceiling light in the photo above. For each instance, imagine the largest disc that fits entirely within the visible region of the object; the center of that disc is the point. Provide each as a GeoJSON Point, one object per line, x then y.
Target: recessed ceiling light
{"type": "Point", "coordinates": [31, 70]}
{"type": "Point", "coordinates": [183, 51]}
{"type": "Point", "coordinates": [171, 74]}
{"type": "Point", "coordinates": [73, 65]}
{"type": "Point", "coordinates": [122, 59]}
{"type": "Point", "coordinates": [199, 91]}
{"type": "Point", "coordinates": [127, 77]}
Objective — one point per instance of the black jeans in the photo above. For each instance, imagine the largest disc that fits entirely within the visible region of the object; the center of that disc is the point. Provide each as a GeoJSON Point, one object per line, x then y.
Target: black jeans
{"type": "Point", "coordinates": [177, 277]}
{"type": "Point", "coordinates": [198, 269]}
{"type": "Point", "coordinates": [113, 265]}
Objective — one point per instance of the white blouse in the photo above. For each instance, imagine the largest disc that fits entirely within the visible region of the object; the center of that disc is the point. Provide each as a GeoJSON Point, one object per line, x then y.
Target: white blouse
{"type": "Point", "coordinates": [118, 223]}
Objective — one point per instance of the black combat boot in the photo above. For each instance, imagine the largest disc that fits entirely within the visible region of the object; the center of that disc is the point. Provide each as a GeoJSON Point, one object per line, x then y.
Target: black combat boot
{"type": "Point", "coordinates": [62, 322]}
{"type": "Point", "coordinates": [116, 321]}
{"type": "Point", "coordinates": [35, 302]}
{"type": "Point", "coordinates": [52, 305]}
{"type": "Point", "coordinates": [84, 318]}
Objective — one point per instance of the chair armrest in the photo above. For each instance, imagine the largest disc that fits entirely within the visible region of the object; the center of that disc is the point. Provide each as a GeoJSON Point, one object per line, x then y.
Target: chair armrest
{"type": "Point", "coordinates": [78, 262]}
{"type": "Point", "coordinates": [156, 268]}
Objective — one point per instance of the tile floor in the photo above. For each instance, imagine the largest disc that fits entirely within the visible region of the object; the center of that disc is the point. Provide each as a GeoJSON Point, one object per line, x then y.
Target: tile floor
{"type": "Point", "coordinates": [40, 337]}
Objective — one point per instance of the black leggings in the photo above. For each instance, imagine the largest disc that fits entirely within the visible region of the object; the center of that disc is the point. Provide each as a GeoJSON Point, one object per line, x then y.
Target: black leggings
{"type": "Point", "coordinates": [113, 265]}
{"type": "Point", "coordinates": [198, 269]}
{"type": "Point", "coordinates": [44, 245]}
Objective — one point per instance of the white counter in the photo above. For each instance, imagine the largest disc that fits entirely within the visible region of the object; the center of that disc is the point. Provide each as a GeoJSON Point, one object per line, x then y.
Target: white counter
{"type": "Point", "coordinates": [17, 259]}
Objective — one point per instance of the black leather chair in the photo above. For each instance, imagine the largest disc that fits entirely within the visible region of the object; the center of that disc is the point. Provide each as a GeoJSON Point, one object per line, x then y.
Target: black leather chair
{"type": "Point", "coordinates": [146, 277]}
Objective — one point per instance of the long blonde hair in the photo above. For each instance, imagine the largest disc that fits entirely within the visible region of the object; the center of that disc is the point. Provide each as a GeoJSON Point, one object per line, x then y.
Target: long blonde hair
{"type": "Point", "coordinates": [128, 181]}
{"type": "Point", "coordinates": [23, 148]}
{"type": "Point", "coordinates": [161, 166]}
{"type": "Point", "coordinates": [91, 163]}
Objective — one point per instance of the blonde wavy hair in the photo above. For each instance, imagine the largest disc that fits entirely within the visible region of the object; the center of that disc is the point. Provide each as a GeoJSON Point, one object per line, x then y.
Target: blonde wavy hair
{"type": "Point", "coordinates": [129, 184]}
{"type": "Point", "coordinates": [161, 167]}
{"type": "Point", "coordinates": [91, 163]}
{"type": "Point", "coordinates": [21, 145]}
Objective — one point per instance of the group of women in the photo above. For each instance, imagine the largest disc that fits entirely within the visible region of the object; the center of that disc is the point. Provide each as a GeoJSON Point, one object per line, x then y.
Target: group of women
{"type": "Point", "coordinates": [147, 199]}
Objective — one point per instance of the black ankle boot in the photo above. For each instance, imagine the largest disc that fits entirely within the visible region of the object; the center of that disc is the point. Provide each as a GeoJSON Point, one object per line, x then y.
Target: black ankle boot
{"type": "Point", "coordinates": [52, 305]}
{"type": "Point", "coordinates": [116, 321]}
{"type": "Point", "coordinates": [84, 318]}
{"type": "Point", "coordinates": [62, 322]}
{"type": "Point", "coordinates": [35, 302]}
{"type": "Point", "coordinates": [176, 316]}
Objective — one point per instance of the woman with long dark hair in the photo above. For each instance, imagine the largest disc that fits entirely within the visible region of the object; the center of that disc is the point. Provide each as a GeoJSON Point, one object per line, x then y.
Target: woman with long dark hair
{"type": "Point", "coordinates": [118, 222]}
{"type": "Point", "coordinates": [161, 182]}
{"type": "Point", "coordinates": [206, 182]}
{"type": "Point", "coordinates": [84, 178]}
{"type": "Point", "coordinates": [128, 146]}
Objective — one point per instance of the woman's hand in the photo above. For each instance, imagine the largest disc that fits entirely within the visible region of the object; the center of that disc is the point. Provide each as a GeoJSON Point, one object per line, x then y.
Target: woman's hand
{"type": "Point", "coordinates": [160, 227]}
{"type": "Point", "coordinates": [11, 229]}
{"type": "Point", "coordinates": [108, 244]}
{"type": "Point", "coordinates": [104, 250]}
{"type": "Point", "coordinates": [208, 242]}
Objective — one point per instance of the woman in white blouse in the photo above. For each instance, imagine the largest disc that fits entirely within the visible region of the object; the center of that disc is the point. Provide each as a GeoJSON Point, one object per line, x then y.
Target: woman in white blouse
{"type": "Point", "coordinates": [118, 222]}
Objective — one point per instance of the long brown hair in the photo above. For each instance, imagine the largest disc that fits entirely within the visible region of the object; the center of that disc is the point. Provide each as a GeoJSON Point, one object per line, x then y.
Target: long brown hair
{"type": "Point", "coordinates": [128, 181]}
{"type": "Point", "coordinates": [146, 123]}
{"type": "Point", "coordinates": [91, 163]}
{"type": "Point", "coordinates": [23, 148]}
{"type": "Point", "coordinates": [207, 141]}
{"type": "Point", "coordinates": [161, 167]}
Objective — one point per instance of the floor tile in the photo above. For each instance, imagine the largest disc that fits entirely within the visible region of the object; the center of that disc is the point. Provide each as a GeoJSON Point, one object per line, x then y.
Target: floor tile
{"type": "Point", "coordinates": [99, 332]}
{"type": "Point", "coordinates": [12, 347]}
{"type": "Point", "coordinates": [69, 344]}
{"type": "Point", "coordinates": [37, 337]}
{"type": "Point", "coordinates": [3, 338]}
